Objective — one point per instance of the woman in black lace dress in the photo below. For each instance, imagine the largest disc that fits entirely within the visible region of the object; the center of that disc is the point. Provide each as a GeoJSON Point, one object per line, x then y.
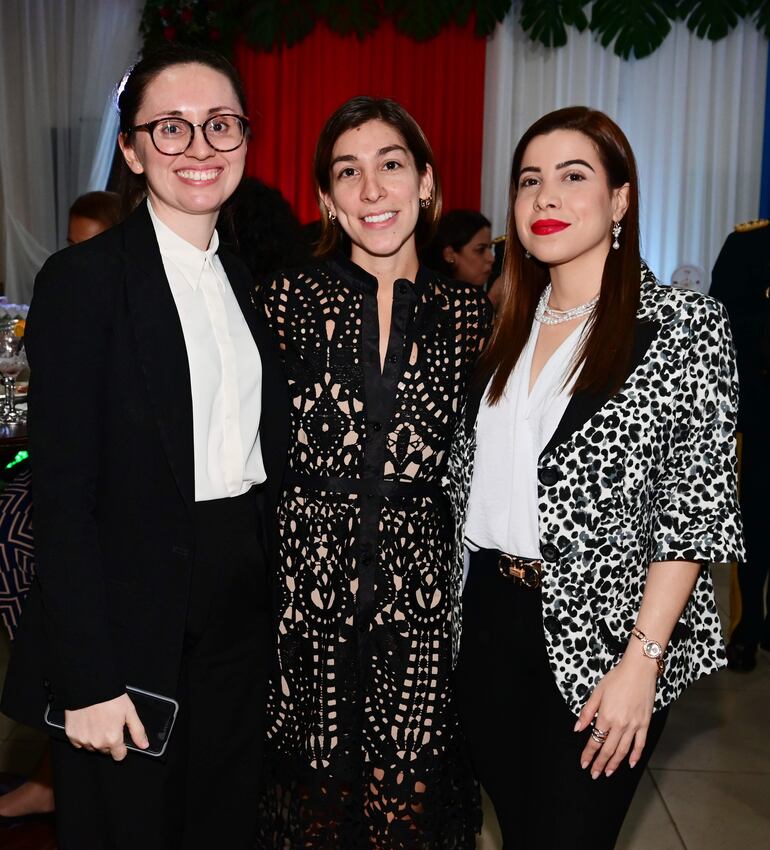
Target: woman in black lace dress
{"type": "Point", "coordinates": [378, 353]}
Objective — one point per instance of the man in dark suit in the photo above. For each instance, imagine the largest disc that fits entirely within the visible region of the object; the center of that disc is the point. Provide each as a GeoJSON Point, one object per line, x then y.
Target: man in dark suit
{"type": "Point", "coordinates": [741, 281]}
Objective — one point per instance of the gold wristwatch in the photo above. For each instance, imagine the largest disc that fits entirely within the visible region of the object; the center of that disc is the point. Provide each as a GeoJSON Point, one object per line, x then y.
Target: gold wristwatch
{"type": "Point", "coordinates": [652, 649]}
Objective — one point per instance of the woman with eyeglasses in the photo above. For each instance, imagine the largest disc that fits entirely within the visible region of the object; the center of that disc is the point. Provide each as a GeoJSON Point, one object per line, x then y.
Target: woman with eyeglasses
{"type": "Point", "coordinates": [158, 417]}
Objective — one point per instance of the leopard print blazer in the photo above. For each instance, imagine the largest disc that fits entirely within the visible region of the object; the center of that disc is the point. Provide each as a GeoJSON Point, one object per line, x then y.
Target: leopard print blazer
{"type": "Point", "coordinates": [646, 475]}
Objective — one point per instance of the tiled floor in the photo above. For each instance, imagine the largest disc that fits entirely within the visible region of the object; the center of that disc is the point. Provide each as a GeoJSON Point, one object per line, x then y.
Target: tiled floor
{"type": "Point", "coordinates": [707, 786]}
{"type": "Point", "coordinates": [708, 783]}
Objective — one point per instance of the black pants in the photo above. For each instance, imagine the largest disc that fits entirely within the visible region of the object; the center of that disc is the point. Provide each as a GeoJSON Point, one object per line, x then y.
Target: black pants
{"type": "Point", "coordinates": [520, 729]}
{"type": "Point", "coordinates": [754, 624]}
{"type": "Point", "coordinates": [204, 793]}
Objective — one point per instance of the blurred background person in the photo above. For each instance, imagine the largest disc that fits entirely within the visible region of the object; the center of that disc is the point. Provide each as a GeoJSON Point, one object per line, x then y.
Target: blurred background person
{"type": "Point", "coordinates": [91, 214]}
{"type": "Point", "coordinates": [740, 281]}
{"type": "Point", "coordinates": [257, 224]}
{"type": "Point", "coordinates": [462, 247]}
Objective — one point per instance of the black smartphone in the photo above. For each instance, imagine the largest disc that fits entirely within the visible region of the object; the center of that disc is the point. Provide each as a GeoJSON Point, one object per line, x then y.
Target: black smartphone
{"type": "Point", "coordinates": [156, 712]}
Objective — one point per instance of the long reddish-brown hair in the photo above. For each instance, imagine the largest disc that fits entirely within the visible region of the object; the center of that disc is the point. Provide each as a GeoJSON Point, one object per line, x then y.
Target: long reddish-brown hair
{"type": "Point", "coordinates": [606, 352]}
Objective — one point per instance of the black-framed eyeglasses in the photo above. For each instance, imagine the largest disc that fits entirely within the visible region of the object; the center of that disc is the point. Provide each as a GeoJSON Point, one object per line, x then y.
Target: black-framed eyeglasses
{"type": "Point", "coordinates": [172, 136]}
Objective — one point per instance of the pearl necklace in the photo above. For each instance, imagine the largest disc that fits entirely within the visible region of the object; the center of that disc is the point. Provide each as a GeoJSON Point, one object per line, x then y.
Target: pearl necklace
{"type": "Point", "coordinates": [551, 316]}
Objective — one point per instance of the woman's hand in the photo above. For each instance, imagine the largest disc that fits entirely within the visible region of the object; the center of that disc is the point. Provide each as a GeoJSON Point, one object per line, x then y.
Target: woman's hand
{"type": "Point", "coordinates": [100, 727]}
{"type": "Point", "coordinates": [622, 706]}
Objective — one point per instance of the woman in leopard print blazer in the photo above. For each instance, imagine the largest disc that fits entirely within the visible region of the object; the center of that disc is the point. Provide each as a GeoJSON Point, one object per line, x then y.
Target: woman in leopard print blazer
{"type": "Point", "coordinates": [603, 487]}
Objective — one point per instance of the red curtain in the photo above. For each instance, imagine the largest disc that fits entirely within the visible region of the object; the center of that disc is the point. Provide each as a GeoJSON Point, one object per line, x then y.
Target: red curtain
{"type": "Point", "coordinates": [292, 91]}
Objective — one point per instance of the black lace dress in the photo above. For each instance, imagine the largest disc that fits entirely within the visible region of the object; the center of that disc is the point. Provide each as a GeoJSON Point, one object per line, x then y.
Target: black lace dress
{"type": "Point", "coordinates": [363, 743]}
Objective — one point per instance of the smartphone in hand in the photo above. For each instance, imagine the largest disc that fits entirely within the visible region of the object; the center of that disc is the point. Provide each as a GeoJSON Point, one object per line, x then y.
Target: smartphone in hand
{"type": "Point", "coordinates": [156, 712]}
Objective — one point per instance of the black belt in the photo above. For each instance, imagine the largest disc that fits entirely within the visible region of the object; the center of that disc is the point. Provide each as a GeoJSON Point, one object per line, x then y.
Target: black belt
{"type": "Point", "coordinates": [524, 571]}
{"type": "Point", "coordinates": [365, 486]}
{"type": "Point", "coordinates": [373, 491]}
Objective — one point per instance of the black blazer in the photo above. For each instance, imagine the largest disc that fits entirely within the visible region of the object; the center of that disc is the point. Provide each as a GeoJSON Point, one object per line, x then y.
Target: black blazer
{"type": "Point", "coordinates": [111, 443]}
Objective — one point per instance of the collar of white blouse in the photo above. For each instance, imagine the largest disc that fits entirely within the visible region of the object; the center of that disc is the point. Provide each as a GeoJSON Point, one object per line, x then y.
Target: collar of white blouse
{"type": "Point", "coordinates": [549, 384]}
{"type": "Point", "coordinates": [190, 261]}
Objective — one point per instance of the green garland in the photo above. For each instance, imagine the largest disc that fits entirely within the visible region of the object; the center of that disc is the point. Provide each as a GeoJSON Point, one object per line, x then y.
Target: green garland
{"type": "Point", "coordinates": [632, 27]}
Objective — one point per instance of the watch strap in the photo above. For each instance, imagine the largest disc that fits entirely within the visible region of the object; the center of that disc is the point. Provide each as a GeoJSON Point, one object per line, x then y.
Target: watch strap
{"type": "Point", "coordinates": [647, 645]}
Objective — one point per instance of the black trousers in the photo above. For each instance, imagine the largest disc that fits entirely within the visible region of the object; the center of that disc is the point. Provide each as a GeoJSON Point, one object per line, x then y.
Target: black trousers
{"type": "Point", "coordinates": [204, 793]}
{"type": "Point", "coordinates": [519, 727]}
{"type": "Point", "coordinates": [754, 624]}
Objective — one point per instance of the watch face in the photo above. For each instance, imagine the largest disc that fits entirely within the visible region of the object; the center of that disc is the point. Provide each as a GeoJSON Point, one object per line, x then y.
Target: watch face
{"type": "Point", "coordinates": [652, 649]}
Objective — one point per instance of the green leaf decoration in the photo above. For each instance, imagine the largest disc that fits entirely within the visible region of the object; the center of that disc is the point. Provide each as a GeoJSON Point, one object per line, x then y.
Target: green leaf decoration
{"type": "Point", "coordinates": [633, 27]}
{"type": "Point", "coordinates": [712, 19]}
{"type": "Point", "coordinates": [637, 27]}
{"type": "Point", "coordinates": [420, 19]}
{"type": "Point", "coordinates": [760, 12]}
{"type": "Point", "coordinates": [345, 17]}
{"type": "Point", "coordinates": [489, 13]}
{"type": "Point", "coordinates": [203, 23]}
{"type": "Point", "coordinates": [546, 21]}
{"type": "Point", "coordinates": [267, 23]}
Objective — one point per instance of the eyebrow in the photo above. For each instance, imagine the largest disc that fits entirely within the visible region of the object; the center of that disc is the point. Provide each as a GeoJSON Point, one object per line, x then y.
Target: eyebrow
{"type": "Point", "coordinates": [559, 165]}
{"type": "Point", "coordinates": [569, 162]}
{"type": "Point", "coordinates": [381, 152]}
{"type": "Point", "coordinates": [215, 110]}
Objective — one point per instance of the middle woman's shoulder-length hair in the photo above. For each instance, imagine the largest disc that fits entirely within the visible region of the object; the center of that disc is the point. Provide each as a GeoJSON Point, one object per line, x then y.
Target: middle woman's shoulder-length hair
{"type": "Point", "coordinates": [606, 352]}
{"type": "Point", "coordinates": [354, 113]}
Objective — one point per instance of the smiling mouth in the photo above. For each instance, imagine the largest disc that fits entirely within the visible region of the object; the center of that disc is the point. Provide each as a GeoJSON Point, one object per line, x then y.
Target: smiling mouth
{"type": "Point", "coordinates": [199, 176]}
{"type": "Point", "coordinates": [379, 217]}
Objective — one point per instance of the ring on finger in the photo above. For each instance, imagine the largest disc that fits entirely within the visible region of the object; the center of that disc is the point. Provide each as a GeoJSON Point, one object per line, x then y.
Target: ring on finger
{"type": "Point", "coordinates": [599, 736]}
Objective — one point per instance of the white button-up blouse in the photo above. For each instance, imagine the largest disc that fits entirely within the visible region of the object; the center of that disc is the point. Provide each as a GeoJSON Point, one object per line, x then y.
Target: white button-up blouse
{"type": "Point", "coordinates": [225, 367]}
{"type": "Point", "coordinates": [502, 509]}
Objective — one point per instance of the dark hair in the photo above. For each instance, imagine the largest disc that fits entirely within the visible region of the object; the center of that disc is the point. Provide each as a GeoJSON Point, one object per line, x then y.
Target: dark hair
{"type": "Point", "coordinates": [134, 85]}
{"type": "Point", "coordinates": [258, 225]}
{"type": "Point", "coordinates": [103, 207]}
{"type": "Point", "coordinates": [455, 230]}
{"type": "Point", "coordinates": [606, 352]}
{"type": "Point", "coordinates": [353, 113]}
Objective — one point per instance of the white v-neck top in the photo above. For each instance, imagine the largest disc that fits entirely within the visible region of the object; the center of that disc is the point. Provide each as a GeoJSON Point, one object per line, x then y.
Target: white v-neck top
{"type": "Point", "coordinates": [502, 511]}
{"type": "Point", "coordinates": [225, 367]}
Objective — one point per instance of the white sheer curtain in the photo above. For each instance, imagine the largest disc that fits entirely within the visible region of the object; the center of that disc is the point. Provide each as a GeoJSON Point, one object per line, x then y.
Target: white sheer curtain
{"type": "Point", "coordinates": [59, 62]}
{"type": "Point", "coordinates": [693, 112]}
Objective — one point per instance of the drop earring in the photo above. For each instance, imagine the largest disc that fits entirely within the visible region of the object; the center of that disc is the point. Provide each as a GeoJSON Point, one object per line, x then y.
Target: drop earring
{"type": "Point", "coordinates": [527, 254]}
{"type": "Point", "coordinates": [616, 228]}
{"type": "Point", "coordinates": [332, 217]}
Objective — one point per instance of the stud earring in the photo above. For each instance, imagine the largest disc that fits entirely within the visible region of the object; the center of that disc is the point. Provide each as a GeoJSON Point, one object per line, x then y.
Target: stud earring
{"type": "Point", "coordinates": [616, 228]}
{"type": "Point", "coordinates": [426, 202]}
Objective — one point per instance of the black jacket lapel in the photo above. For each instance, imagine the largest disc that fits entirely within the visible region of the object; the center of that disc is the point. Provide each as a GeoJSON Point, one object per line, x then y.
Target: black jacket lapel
{"type": "Point", "coordinates": [583, 405]}
{"type": "Point", "coordinates": [160, 347]}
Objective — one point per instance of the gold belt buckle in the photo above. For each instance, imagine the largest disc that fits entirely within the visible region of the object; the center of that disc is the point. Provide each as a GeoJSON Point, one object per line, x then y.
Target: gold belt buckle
{"type": "Point", "coordinates": [524, 571]}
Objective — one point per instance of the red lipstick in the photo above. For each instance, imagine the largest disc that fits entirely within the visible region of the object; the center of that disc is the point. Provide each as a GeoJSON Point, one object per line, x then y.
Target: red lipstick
{"type": "Point", "coordinates": [544, 226]}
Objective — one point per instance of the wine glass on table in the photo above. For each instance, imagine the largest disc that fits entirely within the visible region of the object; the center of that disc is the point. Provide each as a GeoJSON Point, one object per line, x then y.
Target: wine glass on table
{"type": "Point", "coordinates": [12, 361]}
